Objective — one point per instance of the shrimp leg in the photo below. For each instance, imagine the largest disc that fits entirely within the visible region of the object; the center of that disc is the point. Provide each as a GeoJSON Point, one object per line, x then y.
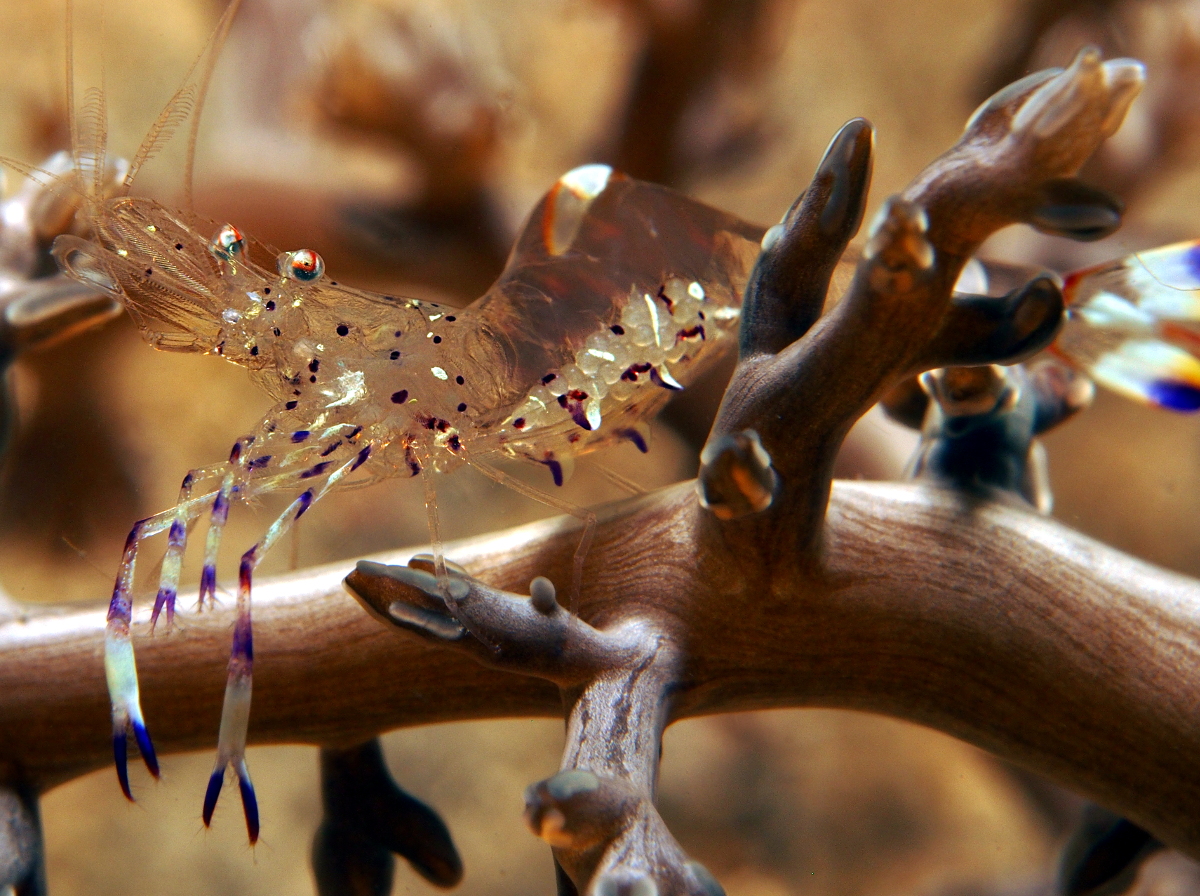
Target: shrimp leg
{"type": "Point", "coordinates": [587, 517]}
{"type": "Point", "coordinates": [120, 666]}
{"type": "Point", "coordinates": [168, 587]}
{"type": "Point", "coordinates": [220, 513]}
{"type": "Point", "coordinates": [235, 712]}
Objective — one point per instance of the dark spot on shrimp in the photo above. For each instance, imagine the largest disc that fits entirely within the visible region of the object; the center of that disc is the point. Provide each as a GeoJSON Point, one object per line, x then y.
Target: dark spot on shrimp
{"type": "Point", "coordinates": [398, 333]}
{"type": "Point", "coordinates": [458, 379]}
{"type": "Point", "coordinates": [343, 330]}
{"type": "Point", "coordinates": [353, 434]}
{"type": "Point", "coordinates": [633, 371]}
{"type": "Point", "coordinates": [549, 378]}
{"type": "Point", "coordinates": [267, 292]}
{"type": "Point", "coordinates": [634, 436]}
{"type": "Point", "coordinates": [235, 453]}
{"type": "Point", "coordinates": [333, 283]}
{"type": "Point", "coordinates": [519, 423]}
{"type": "Point", "coordinates": [304, 502]}
{"type": "Point", "coordinates": [462, 406]}
{"type": "Point", "coordinates": [270, 306]}
{"type": "Point", "coordinates": [187, 481]}
{"type": "Point", "coordinates": [314, 365]}
{"type": "Point", "coordinates": [573, 437]}
{"type": "Point", "coordinates": [178, 246]}
{"type": "Point", "coordinates": [361, 459]}
{"type": "Point", "coordinates": [270, 428]}
{"type": "Point", "coordinates": [300, 435]}
{"type": "Point", "coordinates": [665, 298]}
{"type": "Point", "coordinates": [573, 402]}
{"type": "Point", "coordinates": [315, 470]}
{"type": "Point", "coordinates": [313, 378]}
{"type": "Point", "coordinates": [691, 333]}
{"type": "Point", "coordinates": [259, 462]}
{"type": "Point", "coordinates": [454, 443]}
{"type": "Point", "coordinates": [149, 271]}
{"type": "Point", "coordinates": [332, 448]}
{"type": "Point", "coordinates": [700, 314]}
{"type": "Point", "coordinates": [437, 340]}
{"type": "Point", "coordinates": [400, 397]}
{"type": "Point", "coordinates": [220, 349]}
{"type": "Point", "coordinates": [395, 356]}
{"type": "Point", "coordinates": [451, 319]}
{"type": "Point", "coordinates": [275, 330]}
{"type": "Point", "coordinates": [254, 351]}
{"type": "Point", "coordinates": [617, 329]}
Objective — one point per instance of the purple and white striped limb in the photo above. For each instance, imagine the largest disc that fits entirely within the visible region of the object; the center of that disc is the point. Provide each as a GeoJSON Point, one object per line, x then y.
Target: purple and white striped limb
{"type": "Point", "coordinates": [235, 712]}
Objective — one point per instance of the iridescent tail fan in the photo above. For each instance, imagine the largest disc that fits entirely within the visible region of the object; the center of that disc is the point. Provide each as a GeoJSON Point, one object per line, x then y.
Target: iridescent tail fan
{"type": "Point", "coordinates": [1133, 325]}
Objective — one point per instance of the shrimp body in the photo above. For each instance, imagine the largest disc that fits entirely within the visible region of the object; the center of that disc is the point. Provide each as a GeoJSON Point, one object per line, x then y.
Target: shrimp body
{"type": "Point", "coordinates": [617, 294]}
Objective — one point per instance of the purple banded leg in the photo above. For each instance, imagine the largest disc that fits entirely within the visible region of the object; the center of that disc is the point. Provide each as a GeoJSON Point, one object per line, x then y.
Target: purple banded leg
{"type": "Point", "coordinates": [235, 712]}
{"type": "Point", "coordinates": [168, 587]}
{"type": "Point", "coordinates": [120, 669]}
{"type": "Point", "coordinates": [172, 562]}
{"type": "Point", "coordinates": [212, 544]}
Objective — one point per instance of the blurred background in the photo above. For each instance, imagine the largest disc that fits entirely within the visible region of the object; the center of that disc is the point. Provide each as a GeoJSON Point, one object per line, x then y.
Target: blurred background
{"type": "Point", "coordinates": [405, 140]}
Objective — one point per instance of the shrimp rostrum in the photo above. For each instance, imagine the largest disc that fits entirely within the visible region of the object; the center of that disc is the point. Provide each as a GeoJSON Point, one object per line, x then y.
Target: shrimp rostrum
{"type": "Point", "coordinates": [617, 294]}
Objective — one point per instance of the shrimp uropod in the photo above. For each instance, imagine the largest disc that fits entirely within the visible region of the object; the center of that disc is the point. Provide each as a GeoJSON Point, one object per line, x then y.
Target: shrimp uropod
{"type": "Point", "coordinates": [616, 294]}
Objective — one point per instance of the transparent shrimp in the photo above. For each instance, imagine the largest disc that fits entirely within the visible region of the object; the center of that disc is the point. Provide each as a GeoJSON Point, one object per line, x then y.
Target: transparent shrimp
{"type": "Point", "coordinates": [617, 294]}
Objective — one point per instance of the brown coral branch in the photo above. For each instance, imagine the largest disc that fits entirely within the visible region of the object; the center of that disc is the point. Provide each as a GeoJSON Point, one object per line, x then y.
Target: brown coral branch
{"type": "Point", "coordinates": [980, 619]}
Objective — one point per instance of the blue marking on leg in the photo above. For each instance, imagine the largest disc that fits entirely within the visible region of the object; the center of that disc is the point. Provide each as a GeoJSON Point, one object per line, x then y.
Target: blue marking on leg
{"type": "Point", "coordinates": [122, 762]}
{"type": "Point", "coordinates": [164, 598]}
{"type": "Point", "coordinates": [210, 795]}
{"type": "Point", "coordinates": [556, 470]}
{"type": "Point", "coordinates": [208, 583]}
{"type": "Point", "coordinates": [145, 745]}
{"type": "Point", "coordinates": [636, 437]}
{"type": "Point", "coordinates": [220, 510]}
{"type": "Point", "coordinates": [305, 502]}
{"type": "Point", "coordinates": [361, 459]}
{"type": "Point", "coordinates": [249, 802]}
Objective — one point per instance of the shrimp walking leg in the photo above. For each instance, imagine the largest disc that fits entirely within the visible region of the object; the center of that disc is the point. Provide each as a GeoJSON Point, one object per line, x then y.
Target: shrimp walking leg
{"type": "Point", "coordinates": [235, 711]}
{"type": "Point", "coordinates": [120, 666]}
{"type": "Point", "coordinates": [168, 587]}
{"type": "Point", "coordinates": [587, 517]}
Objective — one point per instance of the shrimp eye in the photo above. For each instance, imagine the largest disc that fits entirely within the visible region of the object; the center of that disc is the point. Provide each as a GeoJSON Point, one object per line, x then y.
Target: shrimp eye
{"type": "Point", "coordinates": [304, 265]}
{"type": "Point", "coordinates": [228, 243]}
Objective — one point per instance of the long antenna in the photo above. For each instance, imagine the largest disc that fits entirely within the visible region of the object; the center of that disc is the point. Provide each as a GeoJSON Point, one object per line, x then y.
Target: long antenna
{"type": "Point", "coordinates": [215, 41]}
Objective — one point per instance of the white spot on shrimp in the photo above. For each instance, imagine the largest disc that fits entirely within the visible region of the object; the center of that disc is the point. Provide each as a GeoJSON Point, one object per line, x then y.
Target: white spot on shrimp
{"type": "Point", "coordinates": [439, 373]}
{"type": "Point", "coordinates": [231, 315]}
{"type": "Point", "coordinates": [351, 386]}
{"type": "Point", "coordinates": [696, 291]}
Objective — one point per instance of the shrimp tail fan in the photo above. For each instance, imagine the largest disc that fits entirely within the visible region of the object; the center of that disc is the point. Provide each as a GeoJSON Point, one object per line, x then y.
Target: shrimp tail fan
{"type": "Point", "coordinates": [1133, 325]}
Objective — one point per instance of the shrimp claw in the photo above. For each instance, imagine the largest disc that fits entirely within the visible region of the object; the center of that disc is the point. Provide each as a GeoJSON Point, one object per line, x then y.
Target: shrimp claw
{"type": "Point", "coordinates": [235, 719]}
{"type": "Point", "coordinates": [120, 670]}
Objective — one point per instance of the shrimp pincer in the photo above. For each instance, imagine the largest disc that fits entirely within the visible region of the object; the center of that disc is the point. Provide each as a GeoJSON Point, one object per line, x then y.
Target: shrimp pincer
{"type": "Point", "coordinates": [617, 294]}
